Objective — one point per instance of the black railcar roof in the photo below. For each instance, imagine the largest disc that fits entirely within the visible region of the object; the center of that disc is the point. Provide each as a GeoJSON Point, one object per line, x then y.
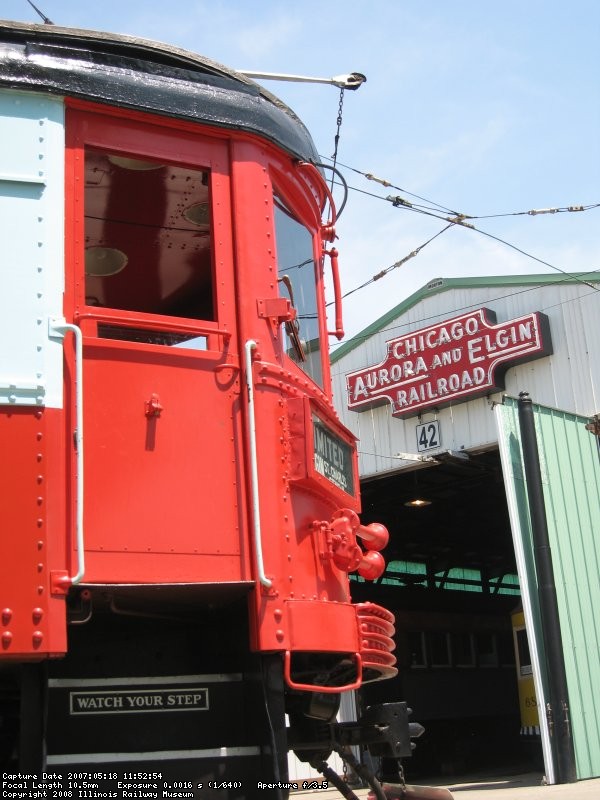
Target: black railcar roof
{"type": "Point", "coordinates": [145, 75]}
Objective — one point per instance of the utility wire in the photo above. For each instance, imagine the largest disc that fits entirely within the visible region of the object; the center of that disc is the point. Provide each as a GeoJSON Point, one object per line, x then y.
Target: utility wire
{"type": "Point", "coordinates": [400, 201]}
{"type": "Point", "coordinates": [369, 176]}
{"type": "Point", "coordinates": [461, 222]}
{"type": "Point", "coordinates": [535, 211]}
{"type": "Point", "coordinates": [535, 258]}
{"type": "Point", "coordinates": [397, 264]}
{"type": "Point", "coordinates": [461, 219]}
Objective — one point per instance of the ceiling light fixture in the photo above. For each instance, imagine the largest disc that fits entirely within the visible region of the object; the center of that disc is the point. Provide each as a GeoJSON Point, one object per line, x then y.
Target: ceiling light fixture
{"type": "Point", "coordinates": [135, 164]}
{"type": "Point", "coordinates": [102, 262]}
{"type": "Point", "coordinates": [418, 502]}
{"type": "Point", "coordinates": [198, 214]}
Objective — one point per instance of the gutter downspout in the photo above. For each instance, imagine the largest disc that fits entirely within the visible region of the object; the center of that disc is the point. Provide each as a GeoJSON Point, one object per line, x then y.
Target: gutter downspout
{"type": "Point", "coordinates": [557, 708]}
{"type": "Point", "coordinates": [526, 580]}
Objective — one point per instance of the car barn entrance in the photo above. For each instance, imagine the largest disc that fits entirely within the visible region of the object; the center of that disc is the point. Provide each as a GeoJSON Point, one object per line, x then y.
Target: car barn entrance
{"type": "Point", "coordinates": [451, 581]}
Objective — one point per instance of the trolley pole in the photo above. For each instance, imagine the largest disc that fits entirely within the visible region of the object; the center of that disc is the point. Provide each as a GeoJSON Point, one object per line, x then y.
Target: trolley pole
{"type": "Point", "coordinates": [352, 80]}
{"type": "Point", "coordinates": [558, 709]}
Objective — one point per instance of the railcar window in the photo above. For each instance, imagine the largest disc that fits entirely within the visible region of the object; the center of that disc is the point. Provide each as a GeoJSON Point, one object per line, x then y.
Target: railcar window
{"type": "Point", "coordinates": [487, 654]}
{"type": "Point", "coordinates": [147, 241]}
{"type": "Point", "coordinates": [506, 652]}
{"type": "Point", "coordinates": [297, 281]}
{"type": "Point", "coordinates": [462, 650]}
{"type": "Point", "coordinates": [416, 645]}
{"type": "Point", "coordinates": [523, 653]}
{"type": "Point", "coordinates": [439, 647]}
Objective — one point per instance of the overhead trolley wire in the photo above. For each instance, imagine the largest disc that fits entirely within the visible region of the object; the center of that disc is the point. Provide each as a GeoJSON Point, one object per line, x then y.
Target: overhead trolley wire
{"type": "Point", "coordinates": [458, 219]}
{"type": "Point", "coordinates": [397, 264]}
{"type": "Point", "coordinates": [369, 176]}
{"type": "Point", "coordinates": [399, 201]}
{"type": "Point", "coordinates": [534, 212]}
{"type": "Point", "coordinates": [433, 210]}
{"type": "Point", "coordinates": [453, 222]}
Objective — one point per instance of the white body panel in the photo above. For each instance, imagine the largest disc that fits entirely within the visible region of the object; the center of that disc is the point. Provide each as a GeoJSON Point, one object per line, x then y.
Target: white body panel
{"type": "Point", "coordinates": [32, 235]}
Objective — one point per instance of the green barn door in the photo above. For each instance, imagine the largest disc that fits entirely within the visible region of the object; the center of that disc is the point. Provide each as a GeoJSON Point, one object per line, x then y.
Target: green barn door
{"type": "Point", "coordinates": [570, 465]}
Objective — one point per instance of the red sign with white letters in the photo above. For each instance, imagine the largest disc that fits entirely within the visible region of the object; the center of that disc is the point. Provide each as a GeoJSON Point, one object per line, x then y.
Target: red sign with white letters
{"type": "Point", "coordinates": [450, 362]}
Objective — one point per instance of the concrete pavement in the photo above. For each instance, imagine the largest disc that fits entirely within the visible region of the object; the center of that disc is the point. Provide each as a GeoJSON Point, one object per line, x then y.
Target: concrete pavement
{"type": "Point", "coordinates": [525, 787]}
{"type": "Point", "coordinates": [513, 787]}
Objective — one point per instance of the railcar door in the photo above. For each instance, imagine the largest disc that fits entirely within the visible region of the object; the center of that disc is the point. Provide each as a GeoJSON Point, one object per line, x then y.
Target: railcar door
{"type": "Point", "coordinates": [150, 275]}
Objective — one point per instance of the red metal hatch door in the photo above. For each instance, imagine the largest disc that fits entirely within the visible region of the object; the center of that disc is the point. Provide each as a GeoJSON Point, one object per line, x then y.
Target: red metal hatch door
{"type": "Point", "coordinates": [160, 389]}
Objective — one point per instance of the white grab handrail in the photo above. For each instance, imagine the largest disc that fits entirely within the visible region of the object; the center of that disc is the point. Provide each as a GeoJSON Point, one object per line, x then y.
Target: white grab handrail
{"type": "Point", "coordinates": [256, 529]}
{"type": "Point", "coordinates": [59, 327]}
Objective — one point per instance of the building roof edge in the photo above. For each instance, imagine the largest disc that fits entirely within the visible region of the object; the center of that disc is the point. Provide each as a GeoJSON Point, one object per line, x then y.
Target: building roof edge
{"type": "Point", "coordinates": [439, 285]}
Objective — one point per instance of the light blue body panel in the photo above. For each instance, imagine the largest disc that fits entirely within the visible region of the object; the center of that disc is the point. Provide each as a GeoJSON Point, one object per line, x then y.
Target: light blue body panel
{"type": "Point", "coordinates": [32, 201]}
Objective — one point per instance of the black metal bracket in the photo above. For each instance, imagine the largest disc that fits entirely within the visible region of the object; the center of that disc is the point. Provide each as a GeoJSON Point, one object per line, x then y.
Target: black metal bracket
{"type": "Point", "coordinates": [384, 728]}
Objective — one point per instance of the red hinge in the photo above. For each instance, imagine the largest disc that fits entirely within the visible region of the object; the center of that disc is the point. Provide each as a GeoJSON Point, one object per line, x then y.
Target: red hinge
{"type": "Point", "coordinates": [153, 407]}
{"type": "Point", "coordinates": [276, 308]}
{"type": "Point", "coordinates": [60, 581]}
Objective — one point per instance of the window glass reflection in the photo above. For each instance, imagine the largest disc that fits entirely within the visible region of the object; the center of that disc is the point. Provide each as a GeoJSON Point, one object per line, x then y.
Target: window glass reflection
{"type": "Point", "coordinates": [147, 237]}
{"type": "Point", "coordinates": [297, 281]}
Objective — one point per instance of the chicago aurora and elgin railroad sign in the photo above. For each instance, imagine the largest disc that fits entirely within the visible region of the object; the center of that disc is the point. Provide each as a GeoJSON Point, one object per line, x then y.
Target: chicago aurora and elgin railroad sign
{"type": "Point", "coordinates": [449, 362]}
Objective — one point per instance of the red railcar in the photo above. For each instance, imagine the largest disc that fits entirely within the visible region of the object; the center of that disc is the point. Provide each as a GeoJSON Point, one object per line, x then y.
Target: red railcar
{"type": "Point", "coordinates": [179, 511]}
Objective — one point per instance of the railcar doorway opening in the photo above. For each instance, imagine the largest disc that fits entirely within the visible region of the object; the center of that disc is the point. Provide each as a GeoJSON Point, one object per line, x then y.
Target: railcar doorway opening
{"type": "Point", "coordinates": [451, 581]}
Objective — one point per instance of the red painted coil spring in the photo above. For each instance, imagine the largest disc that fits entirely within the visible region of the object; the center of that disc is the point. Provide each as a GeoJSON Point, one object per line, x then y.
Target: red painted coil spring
{"type": "Point", "coordinates": [376, 627]}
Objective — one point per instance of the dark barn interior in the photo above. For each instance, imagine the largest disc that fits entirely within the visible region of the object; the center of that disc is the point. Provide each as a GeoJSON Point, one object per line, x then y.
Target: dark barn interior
{"type": "Point", "coordinates": [466, 523]}
{"type": "Point", "coordinates": [451, 581]}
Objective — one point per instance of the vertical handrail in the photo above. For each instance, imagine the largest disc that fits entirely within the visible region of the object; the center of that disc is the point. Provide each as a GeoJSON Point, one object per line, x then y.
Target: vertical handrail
{"type": "Point", "coordinates": [59, 327]}
{"type": "Point", "coordinates": [337, 294]}
{"type": "Point", "coordinates": [256, 528]}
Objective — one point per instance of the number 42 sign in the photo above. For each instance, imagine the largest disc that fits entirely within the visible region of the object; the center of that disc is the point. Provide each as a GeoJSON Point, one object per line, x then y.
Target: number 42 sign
{"type": "Point", "coordinates": [428, 436]}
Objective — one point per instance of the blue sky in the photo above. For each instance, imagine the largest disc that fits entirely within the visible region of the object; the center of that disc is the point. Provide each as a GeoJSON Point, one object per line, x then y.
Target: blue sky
{"type": "Point", "coordinates": [482, 107]}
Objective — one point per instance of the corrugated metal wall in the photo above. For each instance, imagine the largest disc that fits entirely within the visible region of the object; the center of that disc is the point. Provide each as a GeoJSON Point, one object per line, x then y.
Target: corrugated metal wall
{"type": "Point", "coordinates": [301, 771]}
{"type": "Point", "coordinates": [570, 465]}
{"type": "Point", "coordinates": [568, 379]}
